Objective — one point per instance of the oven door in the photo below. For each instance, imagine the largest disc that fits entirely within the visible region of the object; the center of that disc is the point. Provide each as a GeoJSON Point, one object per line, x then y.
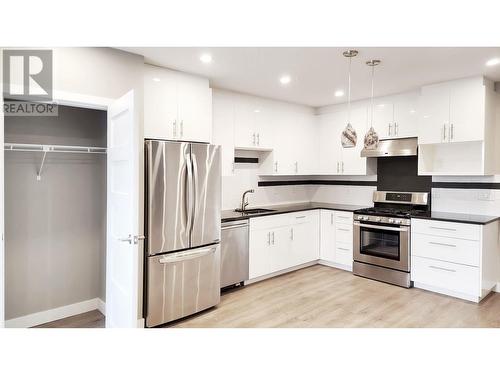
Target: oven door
{"type": "Point", "coordinates": [382, 245]}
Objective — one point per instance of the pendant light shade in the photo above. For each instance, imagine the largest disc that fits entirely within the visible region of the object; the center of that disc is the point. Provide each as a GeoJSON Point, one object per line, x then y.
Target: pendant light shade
{"type": "Point", "coordinates": [349, 138]}
{"type": "Point", "coordinates": [371, 137]}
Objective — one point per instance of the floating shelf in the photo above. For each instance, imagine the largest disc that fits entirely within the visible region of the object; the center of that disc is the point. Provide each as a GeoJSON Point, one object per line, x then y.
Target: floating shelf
{"type": "Point", "coordinates": [28, 147]}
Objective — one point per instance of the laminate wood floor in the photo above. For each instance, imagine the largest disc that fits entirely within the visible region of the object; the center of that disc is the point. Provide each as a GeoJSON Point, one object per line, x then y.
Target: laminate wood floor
{"type": "Point", "coordinates": [321, 296]}
{"type": "Point", "coordinates": [91, 319]}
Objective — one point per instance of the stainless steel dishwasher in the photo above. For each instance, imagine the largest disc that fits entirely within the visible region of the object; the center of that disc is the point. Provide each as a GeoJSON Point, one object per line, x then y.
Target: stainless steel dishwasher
{"type": "Point", "coordinates": [234, 253]}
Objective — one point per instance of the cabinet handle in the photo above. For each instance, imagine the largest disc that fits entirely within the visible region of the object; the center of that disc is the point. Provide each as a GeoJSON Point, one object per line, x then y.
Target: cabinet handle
{"type": "Point", "coordinates": [396, 128]}
{"type": "Point", "coordinates": [182, 128]}
{"type": "Point", "coordinates": [443, 269]}
{"type": "Point", "coordinates": [276, 166]}
{"type": "Point", "coordinates": [233, 167]}
{"type": "Point", "coordinates": [331, 219]}
{"type": "Point", "coordinates": [258, 139]}
{"type": "Point", "coordinates": [441, 228]}
{"type": "Point", "coordinates": [268, 238]}
{"type": "Point", "coordinates": [273, 238]}
{"type": "Point", "coordinates": [343, 248]}
{"type": "Point", "coordinates": [296, 167]}
{"type": "Point", "coordinates": [300, 217]}
{"type": "Point", "coordinates": [253, 136]}
{"type": "Point", "coordinates": [291, 234]}
{"type": "Point", "coordinates": [338, 168]}
{"type": "Point", "coordinates": [444, 132]}
{"type": "Point", "coordinates": [442, 244]}
{"type": "Point", "coordinates": [451, 132]}
{"type": "Point", "coordinates": [390, 129]}
{"type": "Point", "coordinates": [175, 128]}
{"type": "Point", "coordinates": [342, 167]}
{"type": "Point", "coordinates": [343, 229]}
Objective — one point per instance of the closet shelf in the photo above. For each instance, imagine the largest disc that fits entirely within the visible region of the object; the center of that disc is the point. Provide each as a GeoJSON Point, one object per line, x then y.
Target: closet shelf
{"type": "Point", "coordinates": [52, 148]}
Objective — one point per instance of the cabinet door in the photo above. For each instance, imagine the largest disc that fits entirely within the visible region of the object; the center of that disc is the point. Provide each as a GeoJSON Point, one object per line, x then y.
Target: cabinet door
{"type": "Point", "coordinates": [306, 153]}
{"type": "Point", "coordinates": [160, 103]}
{"type": "Point", "coordinates": [223, 129]}
{"type": "Point", "coordinates": [327, 236]}
{"type": "Point", "coordinates": [305, 238]}
{"type": "Point", "coordinates": [383, 117]}
{"type": "Point", "coordinates": [352, 162]}
{"type": "Point", "coordinates": [467, 110]}
{"type": "Point", "coordinates": [259, 250]}
{"type": "Point", "coordinates": [244, 126]}
{"type": "Point", "coordinates": [405, 115]}
{"type": "Point", "coordinates": [264, 114]}
{"type": "Point", "coordinates": [195, 108]}
{"type": "Point", "coordinates": [280, 252]}
{"type": "Point", "coordinates": [434, 114]}
{"type": "Point", "coordinates": [283, 151]}
{"type": "Point", "coordinates": [330, 128]}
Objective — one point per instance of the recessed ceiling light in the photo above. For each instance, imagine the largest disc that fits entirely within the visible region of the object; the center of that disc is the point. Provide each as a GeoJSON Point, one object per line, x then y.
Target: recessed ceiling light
{"type": "Point", "coordinates": [256, 110]}
{"type": "Point", "coordinates": [206, 58]}
{"type": "Point", "coordinates": [285, 80]}
{"type": "Point", "coordinates": [156, 79]}
{"type": "Point", "coordinates": [339, 93]}
{"type": "Point", "coordinates": [493, 62]}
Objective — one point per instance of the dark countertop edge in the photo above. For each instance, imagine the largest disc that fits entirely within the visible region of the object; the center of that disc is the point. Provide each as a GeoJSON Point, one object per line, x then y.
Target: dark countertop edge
{"type": "Point", "coordinates": [488, 219]}
{"type": "Point", "coordinates": [279, 211]}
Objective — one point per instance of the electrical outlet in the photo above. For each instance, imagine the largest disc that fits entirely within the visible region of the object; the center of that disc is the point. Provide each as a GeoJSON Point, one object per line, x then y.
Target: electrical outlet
{"type": "Point", "coordinates": [486, 195]}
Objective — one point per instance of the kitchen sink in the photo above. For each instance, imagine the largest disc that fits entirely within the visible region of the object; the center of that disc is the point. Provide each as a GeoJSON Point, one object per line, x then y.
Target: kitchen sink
{"type": "Point", "coordinates": [252, 211]}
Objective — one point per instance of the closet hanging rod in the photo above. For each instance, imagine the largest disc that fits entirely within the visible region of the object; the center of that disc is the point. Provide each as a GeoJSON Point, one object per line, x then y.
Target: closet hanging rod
{"type": "Point", "coordinates": [54, 148]}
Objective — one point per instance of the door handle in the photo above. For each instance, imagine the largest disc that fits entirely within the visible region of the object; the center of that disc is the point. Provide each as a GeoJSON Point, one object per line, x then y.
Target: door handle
{"type": "Point", "coordinates": [253, 139]}
{"type": "Point", "coordinates": [276, 166]}
{"type": "Point", "coordinates": [182, 128]}
{"type": "Point", "coordinates": [444, 132]}
{"type": "Point", "coordinates": [342, 167]}
{"type": "Point", "coordinates": [258, 139]}
{"type": "Point", "coordinates": [187, 256]}
{"type": "Point", "coordinates": [128, 239]}
{"type": "Point", "coordinates": [273, 238]}
{"type": "Point", "coordinates": [291, 234]}
{"type": "Point", "coordinates": [268, 238]}
{"type": "Point", "coordinates": [138, 238]}
{"type": "Point", "coordinates": [451, 132]}
{"type": "Point", "coordinates": [174, 125]}
{"type": "Point", "coordinates": [390, 129]}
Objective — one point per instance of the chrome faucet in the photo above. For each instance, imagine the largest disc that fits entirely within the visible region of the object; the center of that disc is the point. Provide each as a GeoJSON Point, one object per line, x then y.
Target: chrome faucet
{"type": "Point", "coordinates": [244, 203]}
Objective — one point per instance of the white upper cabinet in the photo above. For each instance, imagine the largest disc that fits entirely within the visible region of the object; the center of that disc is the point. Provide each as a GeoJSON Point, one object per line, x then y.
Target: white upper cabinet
{"type": "Point", "coordinates": [453, 111]}
{"type": "Point", "coordinates": [223, 129]}
{"type": "Point", "coordinates": [253, 123]}
{"type": "Point", "coordinates": [335, 159]}
{"type": "Point", "coordinates": [395, 116]}
{"type": "Point", "coordinates": [177, 106]}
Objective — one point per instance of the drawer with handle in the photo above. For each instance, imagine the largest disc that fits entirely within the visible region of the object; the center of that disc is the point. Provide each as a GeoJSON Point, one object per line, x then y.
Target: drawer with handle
{"type": "Point", "coordinates": [343, 253]}
{"type": "Point", "coordinates": [343, 233]}
{"type": "Point", "coordinates": [343, 217]}
{"type": "Point", "coordinates": [303, 216]}
{"type": "Point", "coordinates": [446, 249]}
{"type": "Point", "coordinates": [450, 276]}
{"type": "Point", "coordinates": [446, 229]}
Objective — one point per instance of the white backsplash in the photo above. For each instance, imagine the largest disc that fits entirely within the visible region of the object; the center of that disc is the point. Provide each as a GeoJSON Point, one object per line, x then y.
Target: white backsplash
{"type": "Point", "coordinates": [468, 201]}
{"type": "Point", "coordinates": [343, 194]}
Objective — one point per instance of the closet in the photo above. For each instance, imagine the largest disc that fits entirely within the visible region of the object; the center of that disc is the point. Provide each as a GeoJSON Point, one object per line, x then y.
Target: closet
{"type": "Point", "coordinates": [55, 215]}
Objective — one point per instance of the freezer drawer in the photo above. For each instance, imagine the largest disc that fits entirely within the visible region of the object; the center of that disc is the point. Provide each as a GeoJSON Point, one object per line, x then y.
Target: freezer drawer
{"type": "Point", "coordinates": [182, 283]}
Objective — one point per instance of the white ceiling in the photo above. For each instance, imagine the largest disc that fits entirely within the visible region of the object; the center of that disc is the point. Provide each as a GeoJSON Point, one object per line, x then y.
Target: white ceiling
{"type": "Point", "coordinates": [318, 72]}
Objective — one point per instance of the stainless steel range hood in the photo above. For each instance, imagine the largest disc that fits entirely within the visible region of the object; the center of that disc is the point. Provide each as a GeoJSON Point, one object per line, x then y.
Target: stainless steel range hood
{"type": "Point", "coordinates": [393, 147]}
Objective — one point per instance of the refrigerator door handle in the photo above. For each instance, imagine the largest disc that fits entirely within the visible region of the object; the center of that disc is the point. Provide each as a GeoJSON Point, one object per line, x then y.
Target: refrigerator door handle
{"type": "Point", "coordinates": [195, 188]}
{"type": "Point", "coordinates": [186, 256]}
{"type": "Point", "coordinates": [189, 195]}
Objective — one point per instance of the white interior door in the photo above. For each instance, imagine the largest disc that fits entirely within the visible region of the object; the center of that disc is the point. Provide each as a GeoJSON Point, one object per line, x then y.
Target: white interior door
{"type": "Point", "coordinates": [122, 255]}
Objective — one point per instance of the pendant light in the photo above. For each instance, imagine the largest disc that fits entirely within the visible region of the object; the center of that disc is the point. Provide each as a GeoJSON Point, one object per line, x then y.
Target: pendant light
{"type": "Point", "coordinates": [371, 137]}
{"type": "Point", "coordinates": [349, 137]}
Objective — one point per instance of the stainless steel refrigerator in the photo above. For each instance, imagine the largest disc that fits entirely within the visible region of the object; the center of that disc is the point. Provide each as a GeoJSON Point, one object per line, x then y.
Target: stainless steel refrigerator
{"type": "Point", "coordinates": [183, 223]}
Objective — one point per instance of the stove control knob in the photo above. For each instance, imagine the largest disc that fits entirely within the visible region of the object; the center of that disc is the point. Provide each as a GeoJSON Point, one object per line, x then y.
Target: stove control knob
{"type": "Point", "coordinates": [391, 221]}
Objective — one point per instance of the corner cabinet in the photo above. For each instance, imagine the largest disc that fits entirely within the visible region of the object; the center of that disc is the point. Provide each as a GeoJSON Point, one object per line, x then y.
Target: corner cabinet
{"type": "Point", "coordinates": [282, 242]}
{"type": "Point", "coordinates": [177, 106]}
{"type": "Point", "coordinates": [458, 127]}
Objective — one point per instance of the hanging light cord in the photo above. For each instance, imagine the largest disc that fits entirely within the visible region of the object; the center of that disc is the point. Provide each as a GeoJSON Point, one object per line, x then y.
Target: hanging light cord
{"type": "Point", "coordinates": [349, 94]}
{"type": "Point", "coordinates": [371, 117]}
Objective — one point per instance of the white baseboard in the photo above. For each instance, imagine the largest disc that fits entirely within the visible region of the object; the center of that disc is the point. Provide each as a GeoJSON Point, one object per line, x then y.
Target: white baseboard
{"type": "Point", "coordinates": [281, 272]}
{"type": "Point", "coordinates": [46, 316]}
{"type": "Point", "coordinates": [447, 292]}
{"type": "Point", "coordinates": [101, 306]}
{"type": "Point", "coordinates": [335, 265]}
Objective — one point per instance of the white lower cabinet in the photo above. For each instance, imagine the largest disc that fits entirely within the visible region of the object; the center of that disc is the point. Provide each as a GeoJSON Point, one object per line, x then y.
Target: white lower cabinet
{"type": "Point", "coordinates": [336, 238]}
{"type": "Point", "coordinates": [457, 259]}
{"type": "Point", "coordinates": [279, 242]}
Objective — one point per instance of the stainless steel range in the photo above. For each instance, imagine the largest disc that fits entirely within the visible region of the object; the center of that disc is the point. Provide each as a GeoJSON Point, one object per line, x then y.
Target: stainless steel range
{"type": "Point", "coordinates": [382, 236]}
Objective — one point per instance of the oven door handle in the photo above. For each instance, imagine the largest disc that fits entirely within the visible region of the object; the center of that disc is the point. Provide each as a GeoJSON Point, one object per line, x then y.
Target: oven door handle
{"type": "Point", "coordinates": [393, 229]}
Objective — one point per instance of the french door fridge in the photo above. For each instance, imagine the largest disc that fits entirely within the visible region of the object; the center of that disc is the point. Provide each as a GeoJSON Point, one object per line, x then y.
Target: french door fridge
{"type": "Point", "coordinates": [183, 207]}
